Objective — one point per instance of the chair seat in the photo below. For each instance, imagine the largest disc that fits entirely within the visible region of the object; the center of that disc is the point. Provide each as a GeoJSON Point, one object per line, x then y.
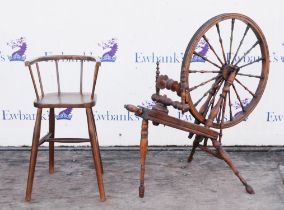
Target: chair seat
{"type": "Point", "coordinates": [66, 100]}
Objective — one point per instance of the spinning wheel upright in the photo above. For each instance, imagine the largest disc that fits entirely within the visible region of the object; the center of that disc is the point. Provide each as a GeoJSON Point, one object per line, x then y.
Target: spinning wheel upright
{"type": "Point", "coordinates": [223, 75]}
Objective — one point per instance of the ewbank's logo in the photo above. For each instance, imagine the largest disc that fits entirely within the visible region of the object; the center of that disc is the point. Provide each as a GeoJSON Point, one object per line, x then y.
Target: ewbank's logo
{"type": "Point", "coordinates": [237, 105]}
{"type": "Point", "coordinates": [110, 47]}
{"type": "Point", "coordinates": [64, 114]}
{"type": "Point", "coordinates": [19, 47]}
{"type": "Point", "coordinates": [202, 49]}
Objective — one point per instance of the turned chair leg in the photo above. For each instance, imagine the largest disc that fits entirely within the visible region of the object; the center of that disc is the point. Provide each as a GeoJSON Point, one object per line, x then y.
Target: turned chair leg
{"type": "Point", "coordinates": [33, 156]}
{"type": "Point", "coordinates": [225, 156]}
{"type": "Point", "coordinates": [195, 144]}
{"type": "Point", "coordinates": [51, 144]}
{"type": "Point", "coordinates": [95, 152]}
{"type": "Point", "coordinates": [143, 152]}
{"type": "Point", "coordinates": [97, 139]}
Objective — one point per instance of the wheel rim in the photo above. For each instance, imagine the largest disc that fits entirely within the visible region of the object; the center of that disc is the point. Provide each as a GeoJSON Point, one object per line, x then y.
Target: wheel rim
{"type": "Point", "coordinates": [224, 44]}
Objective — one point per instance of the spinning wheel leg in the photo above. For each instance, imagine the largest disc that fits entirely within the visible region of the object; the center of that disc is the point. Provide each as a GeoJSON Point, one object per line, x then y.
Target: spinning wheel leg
{"type": "Point", "coordinates": [195, 144]}
{"type": "Point", "coordinates": [225, 156]}
{"type": "Point", "coordinates": [143, 152]}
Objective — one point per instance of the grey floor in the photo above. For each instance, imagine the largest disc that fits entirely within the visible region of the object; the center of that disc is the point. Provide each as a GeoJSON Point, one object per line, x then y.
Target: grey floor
{"type": "Point", "coordinates": [171, 183]}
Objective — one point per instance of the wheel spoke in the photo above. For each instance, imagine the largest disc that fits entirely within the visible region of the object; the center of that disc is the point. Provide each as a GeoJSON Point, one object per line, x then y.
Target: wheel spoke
{"type": "Point", "coordinates": [230, 106]}
{"type": "Point", "coordinates": [245, 87]}
{"type": "Point", "coordinates": [251, 75]}
{"type": "Point", "coordinates": [204, 58]}
{"type": "Point", "coordinates": [215, 87]}
{"type": "Point", "coordinates": [223, 110]}
{"type": "Point", "coordinates": [238, 97]}
{"type": "Point", "coordinates": [222, 105]}
{"type": "Point", "coordinates": [219, 114]}
{"type": "Point", "coordinates": [231, 39]}
{"type": "Point", "coordinates": [212, 101]}
{"type": "Point", "coordinates": [247, 52]}
{"type": "Point", "coordinates": [203, 83]}
{"type": "Point", "coordinates": [213, 50]}
{"type": "Point", "coordinates": [241, 42]}
{"type": "Point", "coordinates": [203, 71]}
{"type": "Point", "coordinates": [199, 100]}
{"type": "Point", "coordinates": [223, 117]}
{"type": "Point", "coordinates": [212, 89]}
{"type": "Point", "coordinates": [257, 60]}
{"type": "Point", "coordinates": [221, 42]}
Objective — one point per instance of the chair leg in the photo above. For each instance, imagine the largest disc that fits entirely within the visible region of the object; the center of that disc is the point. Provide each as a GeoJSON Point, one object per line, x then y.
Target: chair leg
{"type": "Point", "coordinates": [102, 167]}
{"type": "Point", "coordinates": [143, 152]}
{"type": "Point", "coordinates": [51, 144]}
{"type": "Point", "coordinates": [95, 151]}
{"type": "Point", "coordinates": [195, 144]}
{"type": "Point", "coordinates": [33, 156]}
{"type": "Point", "coordinates": [225, 156]}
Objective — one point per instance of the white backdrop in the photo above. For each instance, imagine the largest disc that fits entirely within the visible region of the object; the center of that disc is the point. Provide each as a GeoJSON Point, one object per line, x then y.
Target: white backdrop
{"type": "Point", "coordinates": [140, 29]}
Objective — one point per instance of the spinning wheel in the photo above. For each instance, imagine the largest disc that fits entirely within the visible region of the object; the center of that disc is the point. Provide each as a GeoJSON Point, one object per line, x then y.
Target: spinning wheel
{"type": "Point", "coordinates": [223, 76]}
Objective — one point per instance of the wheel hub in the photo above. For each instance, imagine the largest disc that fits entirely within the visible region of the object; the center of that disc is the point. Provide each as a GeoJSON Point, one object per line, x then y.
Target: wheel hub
{"type": "Point", "coordinates": [227, 70]}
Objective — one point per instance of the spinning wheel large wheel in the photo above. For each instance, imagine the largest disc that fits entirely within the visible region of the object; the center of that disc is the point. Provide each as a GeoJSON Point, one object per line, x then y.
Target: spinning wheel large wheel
{"type": "Point", "coordinates": [225, 44]}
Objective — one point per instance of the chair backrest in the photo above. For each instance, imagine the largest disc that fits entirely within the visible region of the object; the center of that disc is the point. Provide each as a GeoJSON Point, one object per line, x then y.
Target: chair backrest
{"type": "Point", "coordinates": [56, 58]}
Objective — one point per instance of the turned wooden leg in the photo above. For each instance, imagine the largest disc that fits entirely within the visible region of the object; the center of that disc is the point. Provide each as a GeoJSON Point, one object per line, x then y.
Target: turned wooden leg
{"type": "Point", "coordinates": [195, 144]}
{"type": "Point", "coordinates": [51, 144]}
{"type": "Point", "coordinates": [225, 156]}
{"type": "Point", "coordinates": [95, 152]}
{"type": "Point", "coordinates": [33, 156]}
{"type": "Point", "coordinates": [102, 167]}
{"type": "Point", "coordinates": [143, 152]}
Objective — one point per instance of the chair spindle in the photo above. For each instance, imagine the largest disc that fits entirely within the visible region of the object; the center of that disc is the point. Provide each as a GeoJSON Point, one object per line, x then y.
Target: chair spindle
{"type": "Point", "coordinates": [34, 83]}
{"type": "Point", "coordinates": [98, 64]}
{"type": "Point", "coordinates": [57, 76]}
{"type": "Point", "coordinates": [39, 79]}
{"type": "Point", "coordinates": [81, 77]}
